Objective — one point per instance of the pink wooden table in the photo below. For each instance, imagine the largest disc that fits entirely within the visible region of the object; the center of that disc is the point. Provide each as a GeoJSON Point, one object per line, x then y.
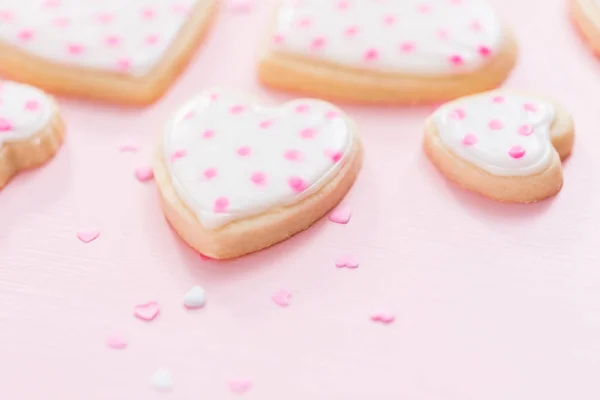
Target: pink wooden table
{"type": "Point", "coordinates": [493, 301]}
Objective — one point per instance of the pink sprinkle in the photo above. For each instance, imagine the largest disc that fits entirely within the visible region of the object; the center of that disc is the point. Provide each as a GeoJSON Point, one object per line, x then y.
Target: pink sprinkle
{"type": "Point", "coordinates": [26, 35]}
{"type": "Point", "coordinates": [317, 43]}
{"type": "Point", "coordinates": [297, 184]}
{"type": "Point", "coordinates": [237, 109]}
{"type": "Point", "coordinates": [332, 114]}
{"type": "Point", "coordinates": [526, 130]}
{"type": "Point", "coordinates": [302, 108]}
{"type": "Point", "coordinates": [75, 49]}
{"type": "Point", "coordinates": [424, 8]}
{"type": "Point", "coordinates": [456, 60]}
{"type": "Point", "coordinates": [147, 311]}
{"type": "Point", "coordinates": [516, 152]}
{"type": "Point", "coordinates": [112, 41]}
{"type": "Point", "coordinates": [207, 134]}
{"type": "Point", "coordinates": [148, 13]}
{"type": "Point", "coordinates": [62, 21]}
{"type": "Point", "coordinates": [333, 155]}
{"type": "Point", "coordinates": [278, 39]}
{"type": "Point", "coordinates": [498, 99]}
{"type": "Point", "coordinates": [221, 205]}
{"type": "Point", "coordinates": [385, 318]}
{"type": "Point", "coordinates": [105, 18]}
{"type": "Point", "coordinates": [282, 298]}
{"type": "Point", "coordinates": [240, 386]}
{"type": "Point", "coordinates": [116, 341]}
{"type": "Point", "coordinates": [371, 54]}
{"type": "Point", "coordinates": [407, 47]}
{"type": "Point", "coordinates": [495, 125]}
{"type": "Point", "coordinates": [304, 22]}
{"type": "Point", "coordinates": [485, 51]}
{"type": "Point", "coordinates": [88, 236]}
{"type": "Point", "coordinates": [308, 133]}
{"type": "Point", "coordinates": [258, 178]}
{"type": "Point", "coordinates": [458, 114]}
{"type": "Point", "coordinates": [32, 105]}
{"type": "Point", "coordinates": [210, 173]}
{"type": "Point", "coordinates": [177, 154]}
{"type": "Point", "coordinates": [124, 64]}
{"type": "Point", "coordinates": [265, 124]}
{"type": "Point", "coordinates": [469, 139]}
{"type": "Point", "coordinates": [389, 19]}
{"type": "Point", "coordinates": [128, 148]}
{"type": "Point", "coordinates": [341, 215]}
{"type": "Point", "coordinates": [292, 155]}
{"type": "Point", "coordinates": [343, 5]}
{"type": "Point", "coordinates": [443, 33]}
{"type": "Point", "coordinates": [243, 151]}
{"type": "Point", "coordinates": [530, 107]}
{"type": "Point", "coordinates": [347, 261]}
{"type": "Point", "coordinates": [351, 30]}
{"type": "Point", "coordinates": [151, 39]}
{"type": "Point", "coordinates": [144, 174]}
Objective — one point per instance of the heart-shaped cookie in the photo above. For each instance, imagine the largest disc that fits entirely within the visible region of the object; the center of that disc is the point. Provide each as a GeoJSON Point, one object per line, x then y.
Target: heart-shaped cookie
{"type": "Point", "coordinates": [586, 16]}
{"type": "Point", "coordinates": [122, 51]}
{"type": "Point", "coordinates": [31, 129]}
{"type": "Point", "coordinates": [387, 51]}
{"type": "Point", "coordinates": [504, 145]}
{"type": "Point", "coordinates": [236, 177]}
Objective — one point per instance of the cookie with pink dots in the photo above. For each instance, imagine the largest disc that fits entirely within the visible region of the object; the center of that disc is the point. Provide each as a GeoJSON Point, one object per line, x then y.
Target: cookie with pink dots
{"type": "Point", "coordinates": [504, 145]}
{"type": "Point", "coordinates": [114, 50]}
{"type": "Point", "coordinates": [586, 17]}
{"type": "Point", "coordinates": [235, 176]}
{"type": "Point", "coordinates": [31, 129]}
{"type": "Point", "coordinates": [387, 51]}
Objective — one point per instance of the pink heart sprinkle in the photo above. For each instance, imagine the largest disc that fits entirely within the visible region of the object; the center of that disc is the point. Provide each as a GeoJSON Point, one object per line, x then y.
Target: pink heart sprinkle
{"type": "Point", "coordinates": [530, 107]}
{"type": "Point", "coordinates": [5, 125]}
{"type": "Point", "coordinates": [456, 60]}
{"type": "Point", "coordinates": [302, 108]}
{"type": "Point", "coordinates": [221, 204]}
{"type": "Point", "coordinates": [144, 174]}
{"type": "Point", "coordinates": [347, 261]}
{"type": "Point", "coordinates": [526, 130]}
{"type": "Point", "coordinates": [292, 155]}
{"type": "Point", "coordinates": [458, 114]}
{"type": "Point", "coordinates": [317, 43]}
{"type": "Point", "coordinates": [341, 215]}
{"type": "Point", "coordinates": [282, 297]}
{"type": "Point", "coordinates": [265, 124]}
{"type": "Point", "coordinates": [244, 151]}
{"type": "Point", "coordinates": [383, 317]}
{"type": "Point", "coordinates": [258, 178]}
{"type": "Point", "coordinates": [116, 341]}
{"type": "Point", "coordinates": [498, 99]}
{"type": "Point", "coordinates": [178, 154]}
{"type": "Point", "coordinates": [495, 125]}
{"type": "Point", "coordinates": [335, 156]}
{"type": "Point", "coordinates": [297, 184]}
{"type": "Point", "coordinates": [308, 133]}
{"type": "Point", "coordinates": [207, 134]}
{"type": "Point", "coordinates": [240, 385]}
{"type": "Point", "coordinates": [351, 30]}
{"type": "Point", "coordinates": [469, 139]}
{"type": "Point", "coordinates": [371, 54]}
{"type": "Point", "coordinates": [516, 152]}
{"type": "Point", "coordinates": [32, 105]}
{"type": "Point", "coordinates": [237, 109]}
{"type": "Point", "coordinates": [147, 312]}
{"type": "Point", "coordinates": [210, 173]}
{"type": "Point", "coordinates": [485, 51]}
{"type": "Point", "coordinates": [88, 236]}
{"type": "Point", "coordinates": [407, 47]}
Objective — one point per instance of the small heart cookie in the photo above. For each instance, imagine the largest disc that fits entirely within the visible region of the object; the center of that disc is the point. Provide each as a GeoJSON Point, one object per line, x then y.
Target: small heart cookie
{"type": "Point", "coordinates": [410, 51]}
{"type": "Point", "coordinates": [31, 129]}
{"type": "Point", "coordinates": [236, 177]}
{"type": "Point", "coordinates": [115, 50]}
{"type": "Point", "coordinates": [504, 145]}
{"type": "Point", "coordinates": [586, 16]}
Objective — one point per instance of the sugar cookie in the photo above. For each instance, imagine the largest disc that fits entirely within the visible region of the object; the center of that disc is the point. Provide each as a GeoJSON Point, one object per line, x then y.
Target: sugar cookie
{"type": "Point", "coordinates": [586, 16]}
{"type": "Point", "coordinates": [120, 51]}
{"type": "Point", "coordinates": [504, 145]}
{"type": "Point", "coordinates": [31, 129]}
{"type": "Point", "coordinates": [410, 51]}
{"type": "Point", "coordinates": [236, 177]}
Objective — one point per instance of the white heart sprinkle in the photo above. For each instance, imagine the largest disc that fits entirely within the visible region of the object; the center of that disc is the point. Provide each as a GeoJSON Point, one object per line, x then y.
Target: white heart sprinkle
{"type": "Point", "coordinates": [162, 379]}
{"type": "Point", "coordinates": [195, 298]}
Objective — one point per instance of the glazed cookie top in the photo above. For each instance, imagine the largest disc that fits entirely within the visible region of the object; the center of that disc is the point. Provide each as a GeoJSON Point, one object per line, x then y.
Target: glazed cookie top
{"type": "Point", "coordinates": [407, 36]}
{"type": "Point", "coordinates": [230, 158]}
{"type": "Point", "coordinates": [24, 111]}
{"type": "Point", "coordinates": [503, 133]}
{"type": "Point", "coordinates": [123, 36]}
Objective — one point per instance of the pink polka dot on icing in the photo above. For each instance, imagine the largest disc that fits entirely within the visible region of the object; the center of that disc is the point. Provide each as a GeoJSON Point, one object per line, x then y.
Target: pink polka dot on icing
{"type": "Point", "coordinates": [351, 30]}
{"type": "Point", "coordinates": [371, 55]}
{"type": "Point", "coordinates": [476, 26]}
{"type": "Point", "coordinates": [456, 60]}
{"type": "Point", "coordinates": [443, 34]}
{"type": "Point", "coordinates": [62, 21]}
{"type": "Point", "coordinates": [5, 125]}
{"type": "Point", "coordinates": [530, 107]}
{"type": "Point", "coordinates": [317, 43]}
{"type": "Point", "coordinates": [495, 125]}
{"type": "Point", "coordinates": [6, 16]}
{"type": "Point", "coordinates": [32, 105]}
{"type": "Point", "coordinates": [297, 184]}
{"type": "Point", "coordinates": [105, 18]}
{"type": "Point", "coordinates": [148, 13]}
{"type": "Point", "coordinates": [278, 39]}
{"type": "Point", "coordinates": [485, 51]}
{"type": "Point", "coordinates": [52, 3]}
{"type": "Point", "coordinates": [343, 5]}
{"type": "Point", "coordinates": [526, 130]}
{"type": "Point", "coordinates": [180, 8]}
{"type": "Point", "coordinates": [458, 114]}
{"type": "Point", "coordinates": [265, 124]}
{"type": "Point", "coordinates": [424, 8]}
{"type": "Point", "coordinates": [74, 49]}
{"type": "Point", "coordinates": [210, 173]}
{"type": "Point", "coordinates": [123, 64]}
{"type": "Point", "coordinates": [237, 109]}
{"type": "Point", "coordinates": [304, 23]}
{"type": "Point", "coordinates": [469, 139]}
{"type": "Point", "coordinates": [292, 155]}
{"type": "Point", "coordinates": [221, 204]}
{"type": "Point", "coordinates": [498, 99]}
{"type": "Point", "coordinates": [302, 108]}
{"type": "Point", "coordinates": [516, 152]}
{"type": "Point", "coordinates": [208, 134]}
{"type": "Point", "coordinates": [178, 154]}
{"type": "Point", "coordinates": [258, 178]}
{"type": "Point", "coordinates": [25, 35]}
{"type": "Point", "coordinates": [332, 114]}
{"type": "Point", "coordinates": [112, 40]}
{"type": "Point", "coordinates": [308, 133]}
{"type": "Point", "coordinates": [389, 20]}
{"type": "Point", "coordinates": [151, 39]}
{"type": "Point", "coordinates": [243, 151]}
{"type": "Point", "coordinates": [333, 155]}
{"type": "Point", "coordinates": [189, 115]}
{"type": "Point", "coordinates": [407, 47]}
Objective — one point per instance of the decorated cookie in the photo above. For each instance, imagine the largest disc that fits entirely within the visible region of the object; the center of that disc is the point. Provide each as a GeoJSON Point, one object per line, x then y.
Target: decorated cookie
{"type": "Point", "coordinates": [236, 177]}
{"type": "Point", "coordinates": [586, 16]}
{"type": "Point", "coordinates": [125, 51]}
{"type": "Point", "coordinates": [31, 130]}
{"type": "Point", "coordinates": [501, 144]}
{"type": "Point", "coordinates": [408, 51]}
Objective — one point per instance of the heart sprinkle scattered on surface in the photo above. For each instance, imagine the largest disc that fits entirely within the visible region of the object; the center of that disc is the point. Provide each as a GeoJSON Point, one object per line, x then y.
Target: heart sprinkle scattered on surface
{"type": "Point", "coordinates": [282, 297]}
{"type": "Point", "coordinates": [148, 311]}
{"type": "Point", "coordinates": [195, 298]}
{"type": "Point", "coordinates": [88, 236]}
{"type": "Point", "coordinates": [144, 174]}
{"type": "Point", "coordinates": [341, 215]}
{"type": "Point", "coordinates": [162, 380]}
{"type": "Point", "coordinates": [240, 386]}
{"type": "Point", "coordinates": [116, 341]}
{"type": "Point", "coordinates": [347, 261]}
{"type": "Point", "coordinates": [383, 317]}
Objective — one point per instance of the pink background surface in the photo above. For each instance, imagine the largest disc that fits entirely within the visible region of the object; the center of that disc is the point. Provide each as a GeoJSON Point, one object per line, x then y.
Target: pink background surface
{"type": "Point", "coordinates": [492, 301]}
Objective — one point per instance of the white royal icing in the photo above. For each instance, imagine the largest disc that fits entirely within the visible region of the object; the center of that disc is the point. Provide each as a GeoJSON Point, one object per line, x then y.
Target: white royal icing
{"type": "Point", "coordinates": [230, 158]}
{"type": "Point", "coordinates": [398, 36]}
{"type": "Point", "coordinates": [123, 36]}
{"type": "Point", "coordinates": [24, 111]}
{"type": "Point", "coordinates": [503, 133]}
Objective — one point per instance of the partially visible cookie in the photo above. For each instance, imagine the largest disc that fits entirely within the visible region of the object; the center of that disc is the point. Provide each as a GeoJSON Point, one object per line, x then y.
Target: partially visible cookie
{"type": "Point", "coordinates": [410, 51]}
{"type": "Point", "coordinates": [122, 51]}
{"type": "Point", "coordinates": [31, 129]}
{"type": "Point", "coordinates": [502, 144]}
{"type": "Point", "coordinates": [586, 16]}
